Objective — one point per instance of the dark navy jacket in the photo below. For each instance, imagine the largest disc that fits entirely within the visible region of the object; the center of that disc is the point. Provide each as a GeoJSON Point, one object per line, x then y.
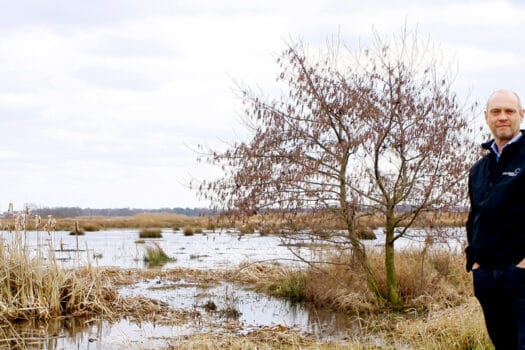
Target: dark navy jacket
{"type": "Point", "coordinates": [496, 221]}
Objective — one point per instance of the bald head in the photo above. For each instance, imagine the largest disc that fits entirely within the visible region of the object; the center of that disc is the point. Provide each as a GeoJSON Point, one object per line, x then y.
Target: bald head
{"type": "Point", "coordinates": [504, 92]}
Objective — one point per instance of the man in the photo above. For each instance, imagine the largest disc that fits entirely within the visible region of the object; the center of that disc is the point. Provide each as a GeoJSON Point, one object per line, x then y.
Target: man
{"type": "Point", "coordinates": [496, 223]}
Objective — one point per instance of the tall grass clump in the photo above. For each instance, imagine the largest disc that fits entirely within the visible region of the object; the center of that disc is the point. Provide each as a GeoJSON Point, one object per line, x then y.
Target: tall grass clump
{"type": "Point", "coordinates": [155, 255]}
{"type": "Point", "coordinates": [291, 287]}
{"type": "Point", "coordinates": [150, 233]}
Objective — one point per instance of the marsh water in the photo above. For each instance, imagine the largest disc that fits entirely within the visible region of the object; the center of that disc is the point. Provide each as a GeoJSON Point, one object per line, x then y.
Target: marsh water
{"type": "Point", "coordinates": [210, 250]}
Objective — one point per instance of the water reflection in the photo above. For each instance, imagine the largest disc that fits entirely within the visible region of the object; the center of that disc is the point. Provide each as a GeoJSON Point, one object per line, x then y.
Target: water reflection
{"type": "Point", "coordinates": [55, 334]}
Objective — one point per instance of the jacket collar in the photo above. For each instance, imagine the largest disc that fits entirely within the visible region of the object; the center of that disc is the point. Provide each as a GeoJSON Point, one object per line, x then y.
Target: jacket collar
{"type": "Point", "coordinates": [488, 144]}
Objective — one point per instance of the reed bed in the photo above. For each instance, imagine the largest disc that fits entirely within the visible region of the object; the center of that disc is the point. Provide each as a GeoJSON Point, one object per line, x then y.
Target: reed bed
{"type": "Point", "coordinates": [136, 221]}
{"type": "Point", "coordinates": [35, 287]}
{"type": "Point", "coordinates": [265, 223]}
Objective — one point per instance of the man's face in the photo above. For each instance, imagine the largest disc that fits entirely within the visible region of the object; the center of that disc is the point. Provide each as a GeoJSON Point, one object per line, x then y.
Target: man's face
{"type": "Point", "coordinates": [503, 116]}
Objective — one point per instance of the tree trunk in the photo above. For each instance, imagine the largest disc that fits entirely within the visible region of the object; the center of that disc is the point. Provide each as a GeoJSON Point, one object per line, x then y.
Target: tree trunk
{"type": "Point", "coordinates": [358, 247]}
{"type": "Point", "coordinates": [390, 267]}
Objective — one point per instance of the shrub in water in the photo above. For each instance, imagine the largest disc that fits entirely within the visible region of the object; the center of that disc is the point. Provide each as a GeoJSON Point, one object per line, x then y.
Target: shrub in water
{"type": "Point", "coordinates": [188, 231]}
{"type": "Point", "coordinates": [150, 233]}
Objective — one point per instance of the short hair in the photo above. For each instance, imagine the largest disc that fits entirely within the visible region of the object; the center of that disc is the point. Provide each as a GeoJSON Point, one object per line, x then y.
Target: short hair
{"type": "Point", "coordinates": [504, 91]}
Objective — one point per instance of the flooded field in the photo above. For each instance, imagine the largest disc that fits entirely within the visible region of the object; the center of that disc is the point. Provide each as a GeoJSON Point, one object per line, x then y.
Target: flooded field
{"type": "Point", "coordinates": [218, 307]}
{"type": "Point", "coordinates": [124, 249]}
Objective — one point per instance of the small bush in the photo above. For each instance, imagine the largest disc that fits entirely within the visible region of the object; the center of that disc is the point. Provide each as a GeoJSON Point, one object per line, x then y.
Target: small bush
{"type": "Point", "coordinates": [198, 230]}
{"type": "Point", "coordinates": [150, 233]}
{"type": "Point", "coordinates": [188, 231]}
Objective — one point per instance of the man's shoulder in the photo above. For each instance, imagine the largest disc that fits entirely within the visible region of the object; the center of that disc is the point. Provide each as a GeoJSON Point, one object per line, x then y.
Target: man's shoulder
{"type": "Point", "coordinates": [480, 163]}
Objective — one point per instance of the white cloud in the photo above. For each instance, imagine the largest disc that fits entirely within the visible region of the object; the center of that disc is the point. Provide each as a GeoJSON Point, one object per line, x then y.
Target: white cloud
{"type": "Point", "coordinates": [103, 104]}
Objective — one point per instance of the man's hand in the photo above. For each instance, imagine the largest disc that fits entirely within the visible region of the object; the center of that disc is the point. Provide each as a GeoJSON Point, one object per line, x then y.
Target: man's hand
{"type": "Point", "coordinates": [475, 266]}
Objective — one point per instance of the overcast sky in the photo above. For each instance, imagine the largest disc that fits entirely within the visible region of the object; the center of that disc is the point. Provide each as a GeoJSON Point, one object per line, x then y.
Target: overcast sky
{"type": "Point", "coordinates": [103, 102]}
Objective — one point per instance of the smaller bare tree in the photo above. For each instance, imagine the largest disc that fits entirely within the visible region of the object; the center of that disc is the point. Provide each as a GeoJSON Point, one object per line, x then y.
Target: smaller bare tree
{"type": "Point", "coordinates": [374, 131]}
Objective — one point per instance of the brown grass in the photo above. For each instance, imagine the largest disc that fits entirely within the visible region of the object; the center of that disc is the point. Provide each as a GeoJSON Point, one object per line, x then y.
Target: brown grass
{"type": "Point", "coordinates": [440, 311]}
{"type": "Point", "coordinates": [136, 221]}
{"type": "Point", "coordinates": [458, 328]}
{"type": "Point", "coordinates": [33, 287]}
{"type": "Point", "coordinates": [266, 223]}
{"type": "Point", "coordinates": [427, 281]}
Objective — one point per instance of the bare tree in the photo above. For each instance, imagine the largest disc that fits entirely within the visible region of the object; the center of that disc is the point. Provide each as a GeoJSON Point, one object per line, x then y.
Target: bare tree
{"type": "Point", "coordinates": [372, 131]}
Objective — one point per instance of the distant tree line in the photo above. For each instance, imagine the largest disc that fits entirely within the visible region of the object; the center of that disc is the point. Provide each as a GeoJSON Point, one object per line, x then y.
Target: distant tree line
{"type": "Point", "coordinates": [76, 211]}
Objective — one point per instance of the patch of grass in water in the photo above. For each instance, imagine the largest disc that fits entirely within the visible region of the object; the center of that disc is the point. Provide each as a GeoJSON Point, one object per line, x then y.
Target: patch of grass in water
{"type": "Point", "coordinates": [150, 233]}
{"type": "Point", "coordinates": [156, 256]}
{"type": "Point", "coordinates": [188, 231]}
{"type": "Point", "coordinates": [291, 287]}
